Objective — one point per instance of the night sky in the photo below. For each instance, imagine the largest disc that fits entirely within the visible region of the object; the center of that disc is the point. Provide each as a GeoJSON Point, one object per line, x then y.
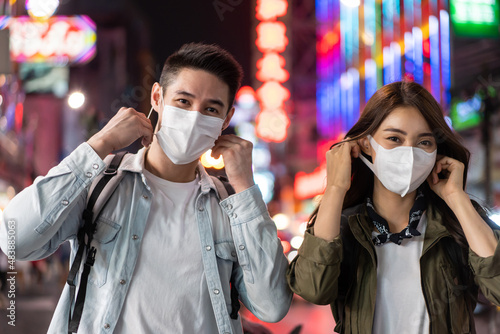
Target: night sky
{"type": "Point", "coordinates": [165, 25]}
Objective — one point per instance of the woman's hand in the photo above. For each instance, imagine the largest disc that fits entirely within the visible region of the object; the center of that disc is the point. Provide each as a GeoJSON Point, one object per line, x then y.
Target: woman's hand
{"type": "Point", "coordinates": [479, 235]}
{"type": "Point", "coordinates": [338, 175]}
{"type": "Point", "coordinates": [338, 164]}
{"type": "Point", "coordinates": [452, 185]}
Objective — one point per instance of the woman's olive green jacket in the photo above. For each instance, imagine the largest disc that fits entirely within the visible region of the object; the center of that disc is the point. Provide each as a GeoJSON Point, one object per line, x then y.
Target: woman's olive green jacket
{"type": "Point", "coordinates": [321, 275]}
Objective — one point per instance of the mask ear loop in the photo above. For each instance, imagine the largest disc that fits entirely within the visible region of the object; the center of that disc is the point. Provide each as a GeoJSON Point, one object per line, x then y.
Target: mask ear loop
{"type": "Point", "coordinates": [161, 97]}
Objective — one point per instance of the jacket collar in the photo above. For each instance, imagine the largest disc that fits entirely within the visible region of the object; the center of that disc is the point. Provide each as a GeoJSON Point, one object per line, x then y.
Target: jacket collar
{"type": "Point", "coordinates": [134, 163]}
{"type": "Point", "coordinates": [362, 228]}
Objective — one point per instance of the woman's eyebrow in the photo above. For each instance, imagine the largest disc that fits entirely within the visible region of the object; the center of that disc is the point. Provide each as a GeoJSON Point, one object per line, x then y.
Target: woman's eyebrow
{"type": "Point", "coordinates": [396, 130]}
{"type": "Point", "coordinates": [424, 134]}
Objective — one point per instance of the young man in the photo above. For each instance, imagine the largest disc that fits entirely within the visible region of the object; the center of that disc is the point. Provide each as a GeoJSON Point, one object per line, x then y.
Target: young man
{"type": "Point", "coordinates": [166, 248]}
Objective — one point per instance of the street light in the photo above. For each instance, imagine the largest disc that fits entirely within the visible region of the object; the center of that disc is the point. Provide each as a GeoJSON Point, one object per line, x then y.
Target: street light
{"type": "Point", "coordinates": [76, 100]}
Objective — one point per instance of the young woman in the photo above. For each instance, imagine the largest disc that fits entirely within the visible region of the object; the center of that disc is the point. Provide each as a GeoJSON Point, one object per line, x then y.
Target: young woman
{"type": "Point", "coordinates": [396, 245]}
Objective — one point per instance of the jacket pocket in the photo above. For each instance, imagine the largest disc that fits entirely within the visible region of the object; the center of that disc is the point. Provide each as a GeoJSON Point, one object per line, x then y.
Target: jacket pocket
{"type": "Point", "coordinates": [457, 304]}
{"type": "Point", "coordinates": [226, 259]}
{"type": "Point", "coordinates": [226, 251]}
{"type": "Point", "coordinates": [104, 241]}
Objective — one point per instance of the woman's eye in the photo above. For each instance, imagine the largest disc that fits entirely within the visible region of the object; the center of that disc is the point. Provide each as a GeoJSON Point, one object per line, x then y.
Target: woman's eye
{"type": "Point", "coordinates": [394, 139]}
{"type": "Point", "coordinates": [426, 143]}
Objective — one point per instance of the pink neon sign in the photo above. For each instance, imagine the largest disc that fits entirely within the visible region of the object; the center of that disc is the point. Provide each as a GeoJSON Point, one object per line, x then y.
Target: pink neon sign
{"type": "Point", "coordinates": [60, 39]}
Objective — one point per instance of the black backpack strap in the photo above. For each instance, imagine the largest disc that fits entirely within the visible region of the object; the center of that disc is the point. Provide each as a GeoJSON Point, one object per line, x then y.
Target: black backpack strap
{"type": "Point", "coordinates": [225, 189]}
{"type": "Point", "coordinates": [85, 236]}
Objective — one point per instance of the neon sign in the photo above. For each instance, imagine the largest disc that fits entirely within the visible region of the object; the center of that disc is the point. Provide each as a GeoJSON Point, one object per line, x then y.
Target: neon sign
{"type": "Point", "coordinates": [60, 39]}
{"type": "Point", "coordinates": [310, 185]}
{"type": "Point", "coordinates": [475, 18]}
{"type": "Point", "coordinates": [272, 122]}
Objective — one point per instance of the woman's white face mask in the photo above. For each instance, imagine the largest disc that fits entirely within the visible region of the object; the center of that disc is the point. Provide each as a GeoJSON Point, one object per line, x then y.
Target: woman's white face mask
{"type": "Point", "coordinates": [402, 169]}
{"type": "Point", "coordinates": [184, 135]}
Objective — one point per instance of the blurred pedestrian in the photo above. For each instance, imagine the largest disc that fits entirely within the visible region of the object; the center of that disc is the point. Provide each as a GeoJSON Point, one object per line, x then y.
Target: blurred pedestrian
{"type": "Point", "coordinates": [170, 256]}
{"type": "Point", "coordinates": [396, 245]}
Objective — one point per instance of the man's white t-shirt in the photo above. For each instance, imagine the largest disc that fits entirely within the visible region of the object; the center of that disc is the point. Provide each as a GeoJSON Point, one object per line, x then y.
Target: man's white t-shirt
{"type": "Point", "coordinates": [168, 292]}
{"type": "Point", "coordinates": [400, 304]}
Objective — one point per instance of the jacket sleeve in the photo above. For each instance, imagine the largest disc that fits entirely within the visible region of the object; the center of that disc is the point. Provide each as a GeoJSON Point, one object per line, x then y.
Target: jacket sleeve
{"type": "Point", "coordinates": [487, 272]}
{"type": "Point", "coordinates": [48, 212]}
{"type": "Point", "coordinates": [314, 273]}
{"type": "Point", "coordinates": [260, 277]}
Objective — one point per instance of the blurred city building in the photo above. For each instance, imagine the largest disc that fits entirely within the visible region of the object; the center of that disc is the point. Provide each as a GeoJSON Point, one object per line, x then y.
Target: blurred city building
{"type": "Point", "coordinates": [310, 67]}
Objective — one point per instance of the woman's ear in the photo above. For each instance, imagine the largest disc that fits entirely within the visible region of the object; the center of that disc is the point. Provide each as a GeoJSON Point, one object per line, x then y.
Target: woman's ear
{"type": "Point", "coordinates": [364, 144]}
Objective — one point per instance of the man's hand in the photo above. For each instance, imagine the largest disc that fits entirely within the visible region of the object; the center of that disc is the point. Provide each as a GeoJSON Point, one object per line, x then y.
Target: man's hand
{"type": "Point", "coordinates": [122, 130]}
{"type": "Point", "coordinates": [237, 154]}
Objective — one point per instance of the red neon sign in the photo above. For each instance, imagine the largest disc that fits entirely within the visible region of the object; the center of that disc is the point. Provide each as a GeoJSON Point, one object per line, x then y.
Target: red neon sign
{"type": "Point", "coordinates": [271, 36]}
{"type": "Point", "coordinates": [271, 68]}
{"type": "Point", "coordinates": [272, 95]}
{"type": "Point", "coordinates": [309, 185]}
{"type": "Point", "coordinates": [272, 125]}
{"type": "Point", "coordinates": [270, 9]}
{"type": "Point", "coordinates": [272, 122]}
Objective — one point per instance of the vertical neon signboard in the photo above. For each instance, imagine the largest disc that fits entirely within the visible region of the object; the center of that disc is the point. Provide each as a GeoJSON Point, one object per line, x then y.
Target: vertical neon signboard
{"type": "Point", "coordinates": [272, 122]}
{"type": "Point", "coordinates": [328, 63]}
{"type": "Point", "coordinates": [444, 18]}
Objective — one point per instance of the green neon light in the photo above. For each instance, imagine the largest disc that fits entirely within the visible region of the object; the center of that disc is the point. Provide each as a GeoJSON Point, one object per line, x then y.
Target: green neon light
{"type": "Point", "coordinates": [475, 18]}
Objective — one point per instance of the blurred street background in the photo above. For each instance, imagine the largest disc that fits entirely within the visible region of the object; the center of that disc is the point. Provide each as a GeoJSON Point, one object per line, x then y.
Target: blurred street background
{"type": "Point", "coordinates": [67, 66]}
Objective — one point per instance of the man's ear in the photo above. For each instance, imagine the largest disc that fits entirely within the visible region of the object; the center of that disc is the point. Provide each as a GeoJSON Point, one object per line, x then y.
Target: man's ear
{"type": "Point", "coordinates": [229, 115]}
{"type": "Point", "coordinates": [156, 97]}
{"type": "Point", "coordinates": [364, 144]}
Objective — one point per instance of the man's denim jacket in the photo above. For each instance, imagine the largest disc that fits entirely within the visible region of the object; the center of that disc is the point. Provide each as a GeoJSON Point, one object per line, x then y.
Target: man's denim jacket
{"type": "Point", "coordinates": [236, 231]}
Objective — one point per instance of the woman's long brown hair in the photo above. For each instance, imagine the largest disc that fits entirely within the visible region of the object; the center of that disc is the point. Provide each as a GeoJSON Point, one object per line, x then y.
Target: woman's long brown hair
{"type": "Point", "coordinates": [380, 105]}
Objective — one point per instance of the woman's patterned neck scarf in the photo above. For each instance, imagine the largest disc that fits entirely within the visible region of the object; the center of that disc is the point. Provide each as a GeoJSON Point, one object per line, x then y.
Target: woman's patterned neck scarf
{"type": "Point", "coordinates": [409, 231]}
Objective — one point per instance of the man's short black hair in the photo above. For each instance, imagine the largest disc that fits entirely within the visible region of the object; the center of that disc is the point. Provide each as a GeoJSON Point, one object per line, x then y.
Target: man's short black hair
{"type": "Point", "coordinates": [210, 58]}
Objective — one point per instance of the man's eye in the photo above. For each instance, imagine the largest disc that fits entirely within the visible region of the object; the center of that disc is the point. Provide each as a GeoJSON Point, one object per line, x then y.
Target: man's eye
{"type": "Point", "coordinates": [212, 110]}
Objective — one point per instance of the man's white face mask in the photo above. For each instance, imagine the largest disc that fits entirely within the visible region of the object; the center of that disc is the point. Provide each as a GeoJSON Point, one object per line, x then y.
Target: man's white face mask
{"type": "Point", "coordinates": [402, 169]}
{"type": "Point", "coordinates": [184, 135]}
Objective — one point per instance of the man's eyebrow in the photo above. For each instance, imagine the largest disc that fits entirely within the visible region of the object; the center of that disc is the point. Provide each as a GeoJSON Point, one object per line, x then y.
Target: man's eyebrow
{"type": "Point", "coordinates": [183, 92]}
{"type": "Point", "coordinates": [424, 134]}
{"type": "Point", "coordinates": [211, 101]}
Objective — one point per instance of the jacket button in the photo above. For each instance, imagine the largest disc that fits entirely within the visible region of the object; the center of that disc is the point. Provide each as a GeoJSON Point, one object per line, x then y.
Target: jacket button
{"type": "Point", "coordinates": [242, 247]}
{"type": "Point", "coordinates": [95, 166]}
{"type": "Point", "coordinates": [201, 208]}
{"type": "Point", "coordinates": [135, 237]}
{"type": "Point", "coordinates": [106, 326]}
{"type": "Point", "coordinates": [145, 196]}
{"type": "Point", "coordinates": [230, 207]}
{"type": "Point", "coordinates": [89, 174]}
{"type": "Point", "coordinates": [233, 254]}
{"type": "Point", "coordinates": [234, 215]}
{"type": "Point", "coordinates": [64, 202]}
{"type": "Point", "coordinates": [122, 281]}
{"type": "Point", "coordinates": [208, 248]}
{"type": "Point", "coordinates": [216, 291]}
